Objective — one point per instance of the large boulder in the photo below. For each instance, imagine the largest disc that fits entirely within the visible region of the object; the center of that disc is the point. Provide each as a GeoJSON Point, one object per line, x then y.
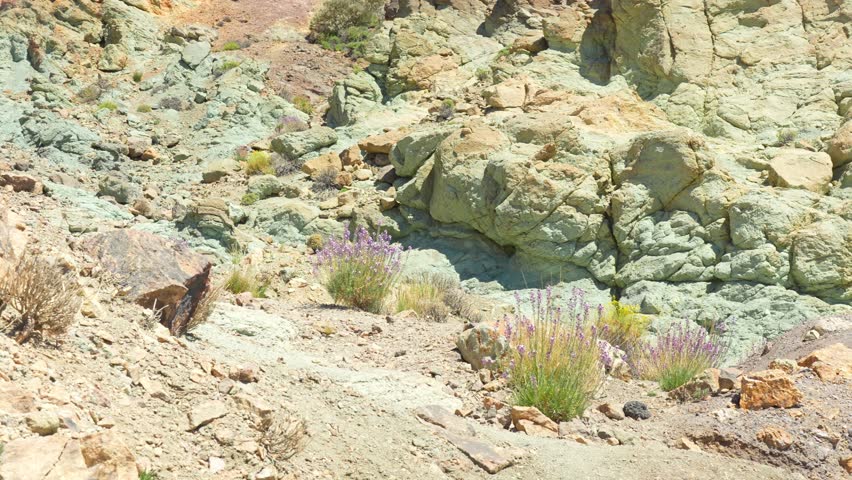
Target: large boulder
{"type": "Point", "coordinates": [211, 218]}
{"type": "Point", "coordinates": [194, 53]}
{"type": "Point", "coordinates": [58, 457]}
{"type": "Point", "coordinates": [353, 98]}
{"type": "Point", "coordinates": [296, 144]}
{"type": "Point", "coordinates": [801, 169]}
{"type": "Point", "coordinates": [154, 272]}
{"type": "Point", "coordinates": [840, 146]}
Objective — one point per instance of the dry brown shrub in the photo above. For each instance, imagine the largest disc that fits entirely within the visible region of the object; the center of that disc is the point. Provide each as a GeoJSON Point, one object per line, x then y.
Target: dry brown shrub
{"type": "Point", "coordinates": [283, 435]}
{"type": "Point", "coordinates": [44, 298]}
{"type": "Point", "coordinates": [202, 311]}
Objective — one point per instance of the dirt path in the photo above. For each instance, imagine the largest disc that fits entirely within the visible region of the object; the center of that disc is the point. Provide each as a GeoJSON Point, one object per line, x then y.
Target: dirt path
{"type": "Point", "coordinates": [359, 395]}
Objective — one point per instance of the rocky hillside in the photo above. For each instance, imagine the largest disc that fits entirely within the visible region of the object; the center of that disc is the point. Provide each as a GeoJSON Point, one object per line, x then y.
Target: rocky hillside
{"type": "Point", "coordinates": [690, 157]}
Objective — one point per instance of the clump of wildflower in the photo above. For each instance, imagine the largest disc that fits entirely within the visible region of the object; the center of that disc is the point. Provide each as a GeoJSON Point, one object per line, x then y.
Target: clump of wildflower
{"type": "Point", "coordinates": [556, 359]}
{"type": "Point", "coordinates": [678, 355]}
{"type": "Point", "coordinates": [360, 270]}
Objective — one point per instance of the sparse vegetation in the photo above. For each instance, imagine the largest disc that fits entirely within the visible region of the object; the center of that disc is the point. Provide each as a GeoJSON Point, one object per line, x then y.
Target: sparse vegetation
{"type": "Point", "coordinates": [315, 242]}
{"type": "Point", "coordinates": [249, 199]}
{"type": "Point", "coordinates": [111, 106]}
{"type": "Point", "coordinates": [231, 46]}
{"type": "Point", "coordinates": [144, 108]}
{"type": "Point", "coordinates": [675, 357]}
{"type": "Point", "coordinates": [555, 361]}
{"type": "Point", "coordinates": [447, 109]}
{"type": "Point", "coordinates": [346, 25]}
{"type": "Point", "coordinates": [172, 103]}
{"type": "Point", "coordinates": [360, 270]}
{"type": "Point", "coordinates": [621, 325]}
{"type": "Point", "coordinates": [483, 74]}
{"type": "Point", "coordinates": [787, 136]}
{"type": "Point", "coordinates": [89, 94]}
{"type": "Point", "coordinates": [303, 104]}
{"type": "Point", "coordinates": [43, 295]}
{"type": "Point", "coordinates": [426, 294]}
{"type": "Point", "coordinates": [229, 65]}
{"type": "Point", "coordinates": [148, 475]}
{"type": "Point", "coordinates": [284, 166]}
{"type": "Point", "coordinates": [244, 278]}
{"type": "Point", "coordinates": [259, 163]}
{"type": "Point", "coordinates": [137, 76]}
{"type": "Point", "coordinates": [325, 181]}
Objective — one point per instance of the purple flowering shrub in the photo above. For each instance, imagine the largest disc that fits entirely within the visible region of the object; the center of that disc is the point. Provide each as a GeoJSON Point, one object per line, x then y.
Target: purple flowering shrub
{"type": "Point", "coordinates": [681, 353]}
{"type": "Point", "coordinates": [360, 270]}
{"type": "Point", "coordinates": [556, 357]}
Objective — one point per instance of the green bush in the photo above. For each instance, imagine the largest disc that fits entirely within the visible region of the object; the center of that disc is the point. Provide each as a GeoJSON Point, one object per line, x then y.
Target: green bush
{"type": "Point", "coordinates": [622, 325]}
{"type": "Point", "coordinates": [231, 46]}
{"type": "Point", "coordinates": [144, 108]}
{"type": "Point", "coordinates": [346, 25]}
{"type": "Point", "coordinates": [229, 65]}
{"type": "Point", "coordinates": [303, 104]}
{"type": "Point", "coordinates": [483, 74]}
{"type": "Point", "coordinates": [111, 106]}
{"type": "Point", "coordinates": [249, 199]}
{"type": "Point", "coordinates": [360, 270]}
{"type": "Point", "coordinates": [259, 163]}
{"type": "Point", "coordinates": [137, 76]}
{"type": "Point", "coordinates": [148, 475]}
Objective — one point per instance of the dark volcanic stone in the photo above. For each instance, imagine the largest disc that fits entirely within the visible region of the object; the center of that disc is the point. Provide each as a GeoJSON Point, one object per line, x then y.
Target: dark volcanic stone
{"type": "Point", "coordinates": [636, 410]}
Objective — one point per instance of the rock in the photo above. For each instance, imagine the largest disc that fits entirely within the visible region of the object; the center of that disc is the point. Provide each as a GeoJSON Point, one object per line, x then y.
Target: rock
{"type": "Point", "coordinates": [768, 388]}
{"type": "Point", "coordinates": [699, 388]}
{"type": "Point", "coordinates": [441, 417]}
{"type": "Point", "coordinates": [353, 98]}
{"type": "Point", "coordinates": [832, 363]}
{"type": "Point", "coordinates": [775, 438]}
{"type": "Point", "coordinates": [216, 170]}
{"type": "Point", "coordinates": [636, 410]}
{"type": "Point", "coordinates": [801, 169]}
{"type": "Point", "coordinates": [154, 388]}
{"type": "Point", "coordinates": [846, 463]}
{"type": "Point", "coordinates": [43, 423]}
{"type": "Point", "coordinates": [14, 399]}
{"type": "Point", "coordinates": [211, 217]}
{"type": "Point", "coordinates": [351, 156]}
{"type": "Point", "coordinates": [108, 456]}
{"type": "Point", "coordinates": [22, 183]}
{"type": "Point", "coordinates": [412, 151]}
{"type": "Point", "coordinates": [32, 458]}
{"type": "Point", "coordinates": [481, 345]}
{"type": "Point", "coordinates": [215, 465]}
{"type": "Point", "coordinates": [194, 53]}
{"type": "Point", "coordinates": [156, 272]}
{"type": "Point", "coordinates": [118, 186]}
{"type": "Point", "coordinates": [255, 405]}
{"type": "Point", "coordinates": [784, 364]}
{"type": "Point", "coordinates": [138, 146]}
{"type": "Point", "coordinates": [113, 58]}
{"type": "Point", "coordinates": [730, 378]}
{"type": "Point", "coordinates": [564, 33]}
{"type": "Point", "coordinates": [489, 458]}
{"type": "Point", "coordinates": [296, 144]}
{"type": "Point", "coordinates": [317, 165]}
{"type": "Point", "coordinates": [532, 422]}
{"type": "Point", "coordinates": [612, 411]}
{"type": "Point", "coordinates": [510, 93]}
{"type": "Point", "coordinates": [840, 145]}
{"type": "Point", "coordinates": [267, 473]}
{"type": "Point", "coordinates": [685, 443]}
{"type": "Point", "coordinates": [205, 413]}
{"type": "Point", "coordinates": [247, 373]}
{"type": "Point", "coordinates": [264, 186]}
{"type": "Point", "coordinates": [363, 174]}
{"type": "Point", "coordinates": [383, 142]}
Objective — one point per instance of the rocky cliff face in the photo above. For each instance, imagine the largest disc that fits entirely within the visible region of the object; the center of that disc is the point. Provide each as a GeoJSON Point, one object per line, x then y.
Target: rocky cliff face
{"type": "Point", "coordinates": [692, 157]}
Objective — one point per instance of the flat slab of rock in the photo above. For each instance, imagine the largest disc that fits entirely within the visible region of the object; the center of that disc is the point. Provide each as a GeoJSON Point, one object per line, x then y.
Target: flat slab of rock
{"type": "Point", "coordinates": [156, 272]}
{"type": "Point", "coordinates": [205, 413]}
{"type": "Point", "coordinates": [487, 457]}
{"type": "Point", "coordinates": [58, 457]}
{"type": "Point", "coordinates": [801, 169]}
{"type": "Point", "coordinates": [441, 417]}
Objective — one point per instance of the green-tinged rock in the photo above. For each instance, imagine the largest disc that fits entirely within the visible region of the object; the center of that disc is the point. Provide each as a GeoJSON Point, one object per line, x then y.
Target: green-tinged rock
{"type": "Point", "coordinates": [296, 144]}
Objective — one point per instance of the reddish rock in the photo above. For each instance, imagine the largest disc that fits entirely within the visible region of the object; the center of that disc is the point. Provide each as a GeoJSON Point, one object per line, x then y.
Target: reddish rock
{"type": "Point", "coordinates": [351, 156]}
{"type": "Point", "coordinates": [769, 388]}
{"type": "Point", "coordinates": [531, 421]}
{"type": "Point", "coordinates": [846, 463]}
{"type": "Point", "coordinates": [699, 388]}
{"type": "Point", "coordinates": [14, 399]}
{"type": "Point", "coordinates": [22, 183]}
{"type": "Point", "coordinates": [382, 143]}
{"type": "Point", "coordinates": [110, 457]}
{"type": "Point", "coordinates": [156, 272]}
{"type": "Point", "coordinates": [775, 438]}
{"type": "Point", "coordinates": [832, 363]}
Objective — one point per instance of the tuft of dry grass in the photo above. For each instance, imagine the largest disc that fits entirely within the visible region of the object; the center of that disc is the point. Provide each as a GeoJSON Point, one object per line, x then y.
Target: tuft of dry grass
{"type": "Point", "coordinates": [622, 325]}
{"type": "Point", "coordinates": [203, 309]}
{"type": "Point", "coordinates": [259, 163]}
{"type": "Point", "coordinates": [427, 294]}
{"type": "Point", "coordinates": [44, 298]}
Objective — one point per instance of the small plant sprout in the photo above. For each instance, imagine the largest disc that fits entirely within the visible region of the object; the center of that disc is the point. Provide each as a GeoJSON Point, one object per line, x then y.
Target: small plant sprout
{"type": "Point", "coordinates": [231, 46]}
{"type": "Point", "coordinates": [137, 76]}
{"type": "Point", "coordinates": [111, 106]}
{"type": "Point", "coordinates": [144, 108]}
{"type": "Point", "coordinates": [360, 270]}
